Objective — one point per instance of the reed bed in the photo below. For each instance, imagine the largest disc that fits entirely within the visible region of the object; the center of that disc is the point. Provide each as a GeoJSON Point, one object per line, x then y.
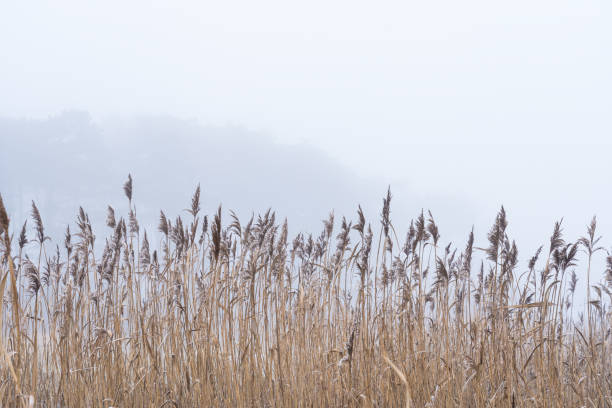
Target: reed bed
{"type": "Point", "coordinates": [225, 312]}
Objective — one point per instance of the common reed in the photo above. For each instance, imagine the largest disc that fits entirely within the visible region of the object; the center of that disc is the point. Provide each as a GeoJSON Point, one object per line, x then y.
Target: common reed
{"type": "Point", "coordinates": [241, 314]}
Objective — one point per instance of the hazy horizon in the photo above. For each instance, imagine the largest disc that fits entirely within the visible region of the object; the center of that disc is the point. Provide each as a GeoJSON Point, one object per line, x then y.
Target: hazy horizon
{"type": "Point", "coordinates": [168, 157]}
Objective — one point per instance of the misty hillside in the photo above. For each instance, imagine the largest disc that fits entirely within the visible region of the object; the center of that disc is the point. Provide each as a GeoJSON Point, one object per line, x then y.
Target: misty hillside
{"type": "Point", "coordinates": [68, 160]}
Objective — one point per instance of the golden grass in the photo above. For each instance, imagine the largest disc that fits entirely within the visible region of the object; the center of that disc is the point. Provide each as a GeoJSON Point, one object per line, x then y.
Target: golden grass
{"type": "Point", "coordinates": [240, 315]}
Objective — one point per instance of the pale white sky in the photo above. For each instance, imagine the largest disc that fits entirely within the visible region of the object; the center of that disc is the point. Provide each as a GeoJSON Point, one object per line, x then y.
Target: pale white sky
{"type": "Point", "coordinates": [488, 101]}
{"type": "Point", "coordinates": [349, 76]}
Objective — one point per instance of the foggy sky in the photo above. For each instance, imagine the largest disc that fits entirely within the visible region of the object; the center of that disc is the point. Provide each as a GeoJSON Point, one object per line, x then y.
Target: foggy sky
{"type": "Point", "coordinates": [460, 106]}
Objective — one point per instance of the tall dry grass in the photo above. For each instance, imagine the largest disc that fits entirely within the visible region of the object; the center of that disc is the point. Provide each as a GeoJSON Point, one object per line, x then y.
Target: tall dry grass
{"type": "Point", "coordinates": [229, 313]}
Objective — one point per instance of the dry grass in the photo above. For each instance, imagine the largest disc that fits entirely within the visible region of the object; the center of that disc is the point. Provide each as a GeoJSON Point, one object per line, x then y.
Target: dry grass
{"type": "Point", "coordinates": [233, 314]}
